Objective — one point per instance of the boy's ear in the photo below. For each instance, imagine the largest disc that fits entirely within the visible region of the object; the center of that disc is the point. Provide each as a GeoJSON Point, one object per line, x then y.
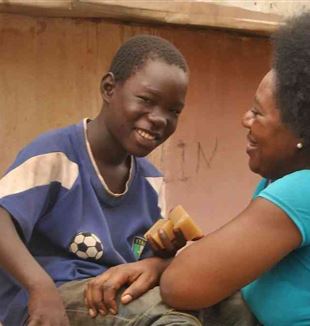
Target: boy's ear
{"type": "Point", "coordinates": [107, 86]}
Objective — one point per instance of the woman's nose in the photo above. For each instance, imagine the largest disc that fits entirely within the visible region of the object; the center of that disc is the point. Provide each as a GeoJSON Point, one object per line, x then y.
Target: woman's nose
{"type": "Point", "coordinates": [247, 119]}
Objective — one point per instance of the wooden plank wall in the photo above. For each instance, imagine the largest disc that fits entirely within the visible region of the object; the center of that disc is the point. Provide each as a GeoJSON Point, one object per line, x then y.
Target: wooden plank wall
{"type": "Point", "coordinates": [50, 69]}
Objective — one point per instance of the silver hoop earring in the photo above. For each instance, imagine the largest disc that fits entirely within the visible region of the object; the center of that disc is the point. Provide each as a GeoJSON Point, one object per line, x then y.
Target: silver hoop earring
{"type": "Point", "coordinates": [299, 145]}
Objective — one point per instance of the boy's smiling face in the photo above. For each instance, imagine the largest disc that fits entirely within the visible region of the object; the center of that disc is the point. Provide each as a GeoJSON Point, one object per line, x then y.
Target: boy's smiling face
{"type": "Point", "coordinates": [142, 112]}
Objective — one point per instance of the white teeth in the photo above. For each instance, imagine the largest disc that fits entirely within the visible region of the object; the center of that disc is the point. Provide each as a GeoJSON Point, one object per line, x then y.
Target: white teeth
{"type": "Point", "coordinates": [145, 134]}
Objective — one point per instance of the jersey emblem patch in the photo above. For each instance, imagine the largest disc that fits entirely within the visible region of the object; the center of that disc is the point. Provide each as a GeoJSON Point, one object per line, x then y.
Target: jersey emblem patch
{"type": "Point", "coordinates": [87, 245]}
{"type": "Point", "coordinates": [138, 245]}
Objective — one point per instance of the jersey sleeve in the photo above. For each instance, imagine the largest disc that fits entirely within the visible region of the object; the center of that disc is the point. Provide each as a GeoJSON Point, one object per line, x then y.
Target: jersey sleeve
{"type": "Point", "coordinates": [260, 186]}
{"type": "Point", "coordinates": [162, 198]}
{"type": "Point", "coordinates": [32, 185]}
{"type": "Point", "coordinates": [291, 193]}
{"type": "Point", "coordinates": [157, 182]}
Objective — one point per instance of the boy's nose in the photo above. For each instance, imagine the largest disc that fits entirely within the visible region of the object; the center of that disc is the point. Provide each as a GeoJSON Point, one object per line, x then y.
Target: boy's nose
{"type": "Point", "coordinates": [158, 119]}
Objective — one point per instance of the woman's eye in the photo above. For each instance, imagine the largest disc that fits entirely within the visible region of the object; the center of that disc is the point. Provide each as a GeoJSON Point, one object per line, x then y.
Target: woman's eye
{"type": "Point", "coordinates": [146, 100]}
{"type": "Point", "coordinates": [254, 112]}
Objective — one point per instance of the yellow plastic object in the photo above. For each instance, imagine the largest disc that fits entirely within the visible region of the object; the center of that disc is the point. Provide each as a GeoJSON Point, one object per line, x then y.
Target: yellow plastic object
{"type": "Point", "coordinates": [184, 222]}
{"type": "Point", "coordinates": [177, 218]}
{"type": "Point", "coordinates": [165, 225]}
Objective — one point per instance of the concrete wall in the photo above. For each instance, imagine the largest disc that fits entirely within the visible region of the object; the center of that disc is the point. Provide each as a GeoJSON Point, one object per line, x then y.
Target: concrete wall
{"type": "Point", "coordinates": [50, 69]}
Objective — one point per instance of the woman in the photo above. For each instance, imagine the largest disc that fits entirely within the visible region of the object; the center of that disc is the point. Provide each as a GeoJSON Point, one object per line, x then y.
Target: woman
{"type": "Point", "coordinates": [265, 249]}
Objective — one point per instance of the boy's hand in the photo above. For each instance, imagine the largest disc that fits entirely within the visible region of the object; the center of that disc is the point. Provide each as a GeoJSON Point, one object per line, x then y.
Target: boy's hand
{"type": "Point", "coordinates": [46, 308]}
{"type": "Point", "coordinates": [170, 246]}
{"type": "Point", "coordinates": [100, 293]}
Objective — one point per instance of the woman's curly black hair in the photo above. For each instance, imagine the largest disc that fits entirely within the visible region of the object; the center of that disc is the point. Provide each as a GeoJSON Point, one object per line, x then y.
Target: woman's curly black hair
{"type": "Point", "coordinates": [131, 56]}
{"type": "Point", "coordinates": [291, 62]}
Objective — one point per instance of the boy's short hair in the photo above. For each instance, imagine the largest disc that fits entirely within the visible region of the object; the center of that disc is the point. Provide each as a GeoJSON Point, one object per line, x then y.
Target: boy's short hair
{"type": "Point", "coordinates": [132, 55]}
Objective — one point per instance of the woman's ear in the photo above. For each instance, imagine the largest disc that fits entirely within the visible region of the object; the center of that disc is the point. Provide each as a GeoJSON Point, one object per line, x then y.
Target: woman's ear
{"type": "Point", "coordinates": [107, 86]}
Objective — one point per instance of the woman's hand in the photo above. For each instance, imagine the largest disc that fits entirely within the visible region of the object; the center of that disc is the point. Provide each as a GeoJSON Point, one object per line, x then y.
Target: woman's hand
{"type": "Point", "coordinates": [100, 293]}
{"type": "Point", "coordinates": [171, 246]}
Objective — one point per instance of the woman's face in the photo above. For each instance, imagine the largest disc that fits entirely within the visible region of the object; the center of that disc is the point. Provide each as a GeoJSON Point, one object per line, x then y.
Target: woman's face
{"type": "Point", "coordinates": [271, 144]}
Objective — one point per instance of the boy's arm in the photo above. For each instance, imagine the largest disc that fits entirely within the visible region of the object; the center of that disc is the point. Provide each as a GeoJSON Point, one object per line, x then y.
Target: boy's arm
{"type": "Point", "coordinates": [140, 276]}
{"type": "Point", "coordinates": [45, 306]}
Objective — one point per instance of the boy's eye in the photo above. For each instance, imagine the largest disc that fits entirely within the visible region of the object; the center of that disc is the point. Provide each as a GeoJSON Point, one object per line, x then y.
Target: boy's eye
{"type": "Point", "coordinates": [175, 111]}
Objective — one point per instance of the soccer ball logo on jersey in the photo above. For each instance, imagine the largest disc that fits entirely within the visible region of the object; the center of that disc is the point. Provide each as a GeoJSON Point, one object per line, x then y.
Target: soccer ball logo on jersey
{"type": "Point", "coordinates": [86, 245]}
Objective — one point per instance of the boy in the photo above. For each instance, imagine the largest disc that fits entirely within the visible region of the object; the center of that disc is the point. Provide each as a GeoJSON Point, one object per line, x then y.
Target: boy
{"type": "Point", "coordinates": [78, 200]}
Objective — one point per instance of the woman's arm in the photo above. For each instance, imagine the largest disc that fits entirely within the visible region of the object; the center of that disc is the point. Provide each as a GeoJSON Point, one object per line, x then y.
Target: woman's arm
{"type": "Point", "coordinates": [226, 260]}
